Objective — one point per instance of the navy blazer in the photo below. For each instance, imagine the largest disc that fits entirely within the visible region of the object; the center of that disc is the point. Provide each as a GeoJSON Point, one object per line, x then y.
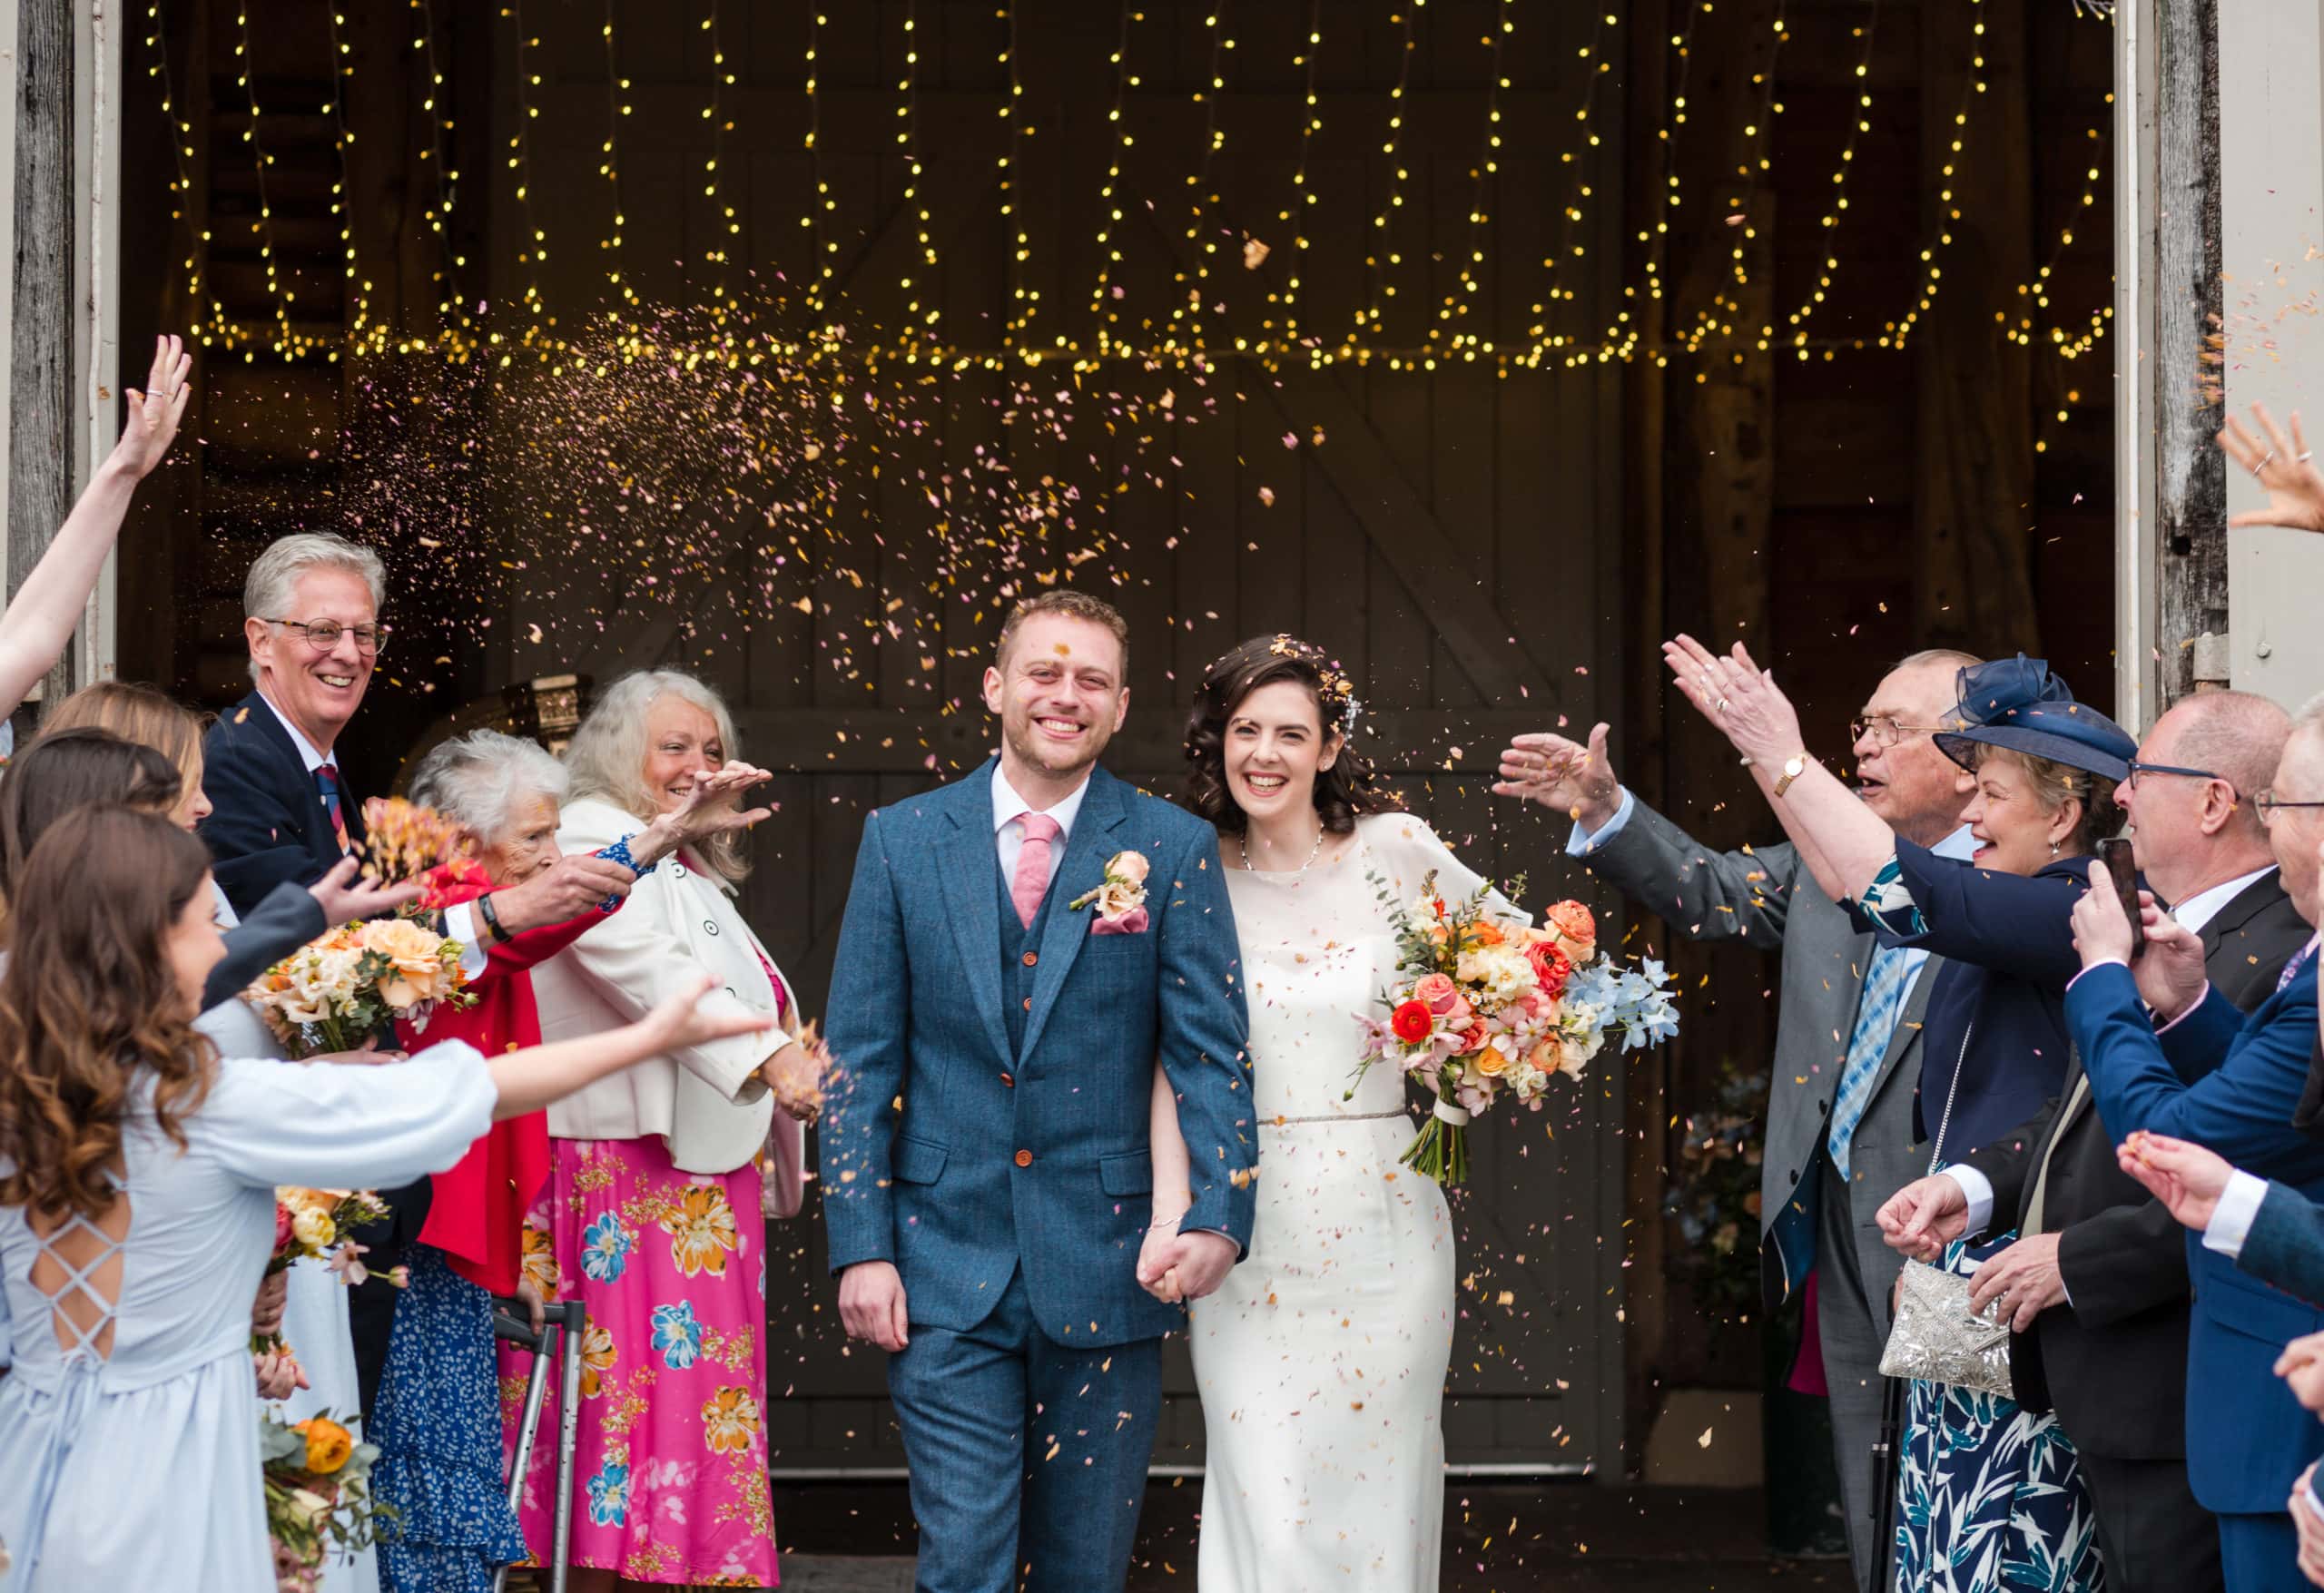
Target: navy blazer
{"type": "Point", "coordinates": [2230, 1083]}
{"type": "Point", "coordinates": [1994, 1039]}
{"type": "Point", "coordinates": [268, 825]}
{"type": "Point", "coordinates": [962, 1158]}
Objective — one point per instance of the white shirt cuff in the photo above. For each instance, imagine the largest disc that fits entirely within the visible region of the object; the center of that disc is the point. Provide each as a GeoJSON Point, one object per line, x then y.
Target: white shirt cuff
{"type": "Point", "coordinates": [2238, 1206]}
{"type": "Point", "coordinates": [1582, 842]}
{"type": "Point", "coordinates": [459, 924]}
{"type": "Point", "coordinates": [1979, 1190]}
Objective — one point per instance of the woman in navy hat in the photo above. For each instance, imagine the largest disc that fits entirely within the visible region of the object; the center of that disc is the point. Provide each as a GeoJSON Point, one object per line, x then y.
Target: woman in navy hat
{"type": "Point", "coordinates": [1991, 1494]}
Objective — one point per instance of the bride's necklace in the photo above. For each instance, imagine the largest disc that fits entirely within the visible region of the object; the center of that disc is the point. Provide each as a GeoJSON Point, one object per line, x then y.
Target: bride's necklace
{"type": "Point", "coordinates": [1243, 844]}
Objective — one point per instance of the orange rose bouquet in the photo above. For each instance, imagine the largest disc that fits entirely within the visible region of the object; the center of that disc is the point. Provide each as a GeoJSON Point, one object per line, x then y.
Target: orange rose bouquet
{"type": "Point", "coordinates": [1483, 1007]}
{"type": "Point", "coordinates": [318, 1483]}
{"type": "Point", "coordinates": [333, 993]}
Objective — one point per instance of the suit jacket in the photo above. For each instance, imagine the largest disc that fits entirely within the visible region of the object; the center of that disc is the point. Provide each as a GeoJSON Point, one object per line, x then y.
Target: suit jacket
{"type": "Point", "coordinates": [268, 825]}
{"type": "Point", "coordinates": [2122, 1255]}
{"type": "Point", "coordinates": [2227, 1082]}
{"type": "Point", "coordinates": [1768, 899]}
{"type": "Point", "coordinates": [961, 1158]}
{"type": "Point", "coordinates": [2285, 1245]}
{"type": "Point", "coordinates": [287, 919]}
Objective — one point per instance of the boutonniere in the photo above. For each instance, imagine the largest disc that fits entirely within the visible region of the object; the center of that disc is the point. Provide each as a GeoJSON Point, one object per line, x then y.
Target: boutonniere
{"type": "Point", "coordinates": [1121, 900]}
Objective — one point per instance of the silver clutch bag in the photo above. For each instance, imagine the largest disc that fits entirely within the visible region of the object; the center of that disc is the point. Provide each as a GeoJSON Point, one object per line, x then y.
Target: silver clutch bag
{"type": "Point", "coordinates": [1937, 1338]}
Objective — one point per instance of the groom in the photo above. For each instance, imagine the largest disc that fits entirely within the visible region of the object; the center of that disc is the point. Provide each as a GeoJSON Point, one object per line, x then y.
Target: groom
{"type": "Point", "coordinates": [987, 1176]}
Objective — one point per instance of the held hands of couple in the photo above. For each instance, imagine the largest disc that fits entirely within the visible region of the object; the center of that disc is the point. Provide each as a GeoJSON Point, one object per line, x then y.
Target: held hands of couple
{"type": "Point", "coordinates": [1173, 1266]}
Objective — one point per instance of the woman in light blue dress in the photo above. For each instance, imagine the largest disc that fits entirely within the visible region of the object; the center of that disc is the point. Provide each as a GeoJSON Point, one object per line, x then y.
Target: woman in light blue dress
{"type": "Point", "coordinates": [137, 1171]}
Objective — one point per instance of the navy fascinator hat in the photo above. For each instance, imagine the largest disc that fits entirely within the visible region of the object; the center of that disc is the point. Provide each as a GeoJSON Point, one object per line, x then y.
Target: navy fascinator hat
{"type": "Point", "coordinates": [2017, 704]}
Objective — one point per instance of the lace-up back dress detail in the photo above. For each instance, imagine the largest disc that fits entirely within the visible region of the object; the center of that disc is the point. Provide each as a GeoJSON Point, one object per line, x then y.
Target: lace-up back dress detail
{"type": "Point", "coordinates": [1320, 1360]}
{"type": "Point", "coordinates": [129, 1418]}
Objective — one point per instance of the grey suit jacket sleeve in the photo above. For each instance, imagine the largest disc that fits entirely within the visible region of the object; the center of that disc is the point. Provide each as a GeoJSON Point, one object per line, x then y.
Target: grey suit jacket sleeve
{"type": "Point", "coordinates": [285, 920]}
{"type": "Point", "coordinates": [1705, 895]}
{"type": "Point", "coordinates": [2285, 1245]}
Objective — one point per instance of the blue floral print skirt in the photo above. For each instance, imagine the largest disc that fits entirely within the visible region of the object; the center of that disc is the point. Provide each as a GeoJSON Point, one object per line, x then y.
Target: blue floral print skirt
{"type": "Point", "coordinates": [1989, 1496]}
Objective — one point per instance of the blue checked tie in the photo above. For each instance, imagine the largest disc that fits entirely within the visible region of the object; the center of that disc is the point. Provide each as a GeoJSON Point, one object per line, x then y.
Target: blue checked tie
{"type": "Point", "coordinates": [1885, 983]}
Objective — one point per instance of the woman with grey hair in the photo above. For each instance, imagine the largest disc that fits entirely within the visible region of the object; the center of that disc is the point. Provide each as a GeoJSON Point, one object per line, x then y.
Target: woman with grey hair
{"type": "Point", "coordinates": [655, 1207]}
{"type": "Point", "coordinates": [437, 1416]}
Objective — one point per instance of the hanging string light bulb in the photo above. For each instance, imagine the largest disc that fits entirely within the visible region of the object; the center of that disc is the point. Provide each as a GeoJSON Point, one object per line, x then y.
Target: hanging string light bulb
{"type": "Point", "coordinates": [359, 308]}
{"type": "Point", "coordinates": [1596, 66]}
{"type": "Point", "coordinates": [1456, 303]}
{"type": "Point", "coordinates": [1295, 213]}
{"type": "Point", "coordinates": [1723, 316]}
{"type": "Point", "coordinates": [1103, 314]}
{"type": "Point", "coordinates": [820, 206]}
{"type": "Point", "coordinates": [1022, 298]}
{"type": "Point", "coordinates": [1860, 125]}
{"type": "Point", "coordinates": [1190, 312]}
{"type": "Point", "coordinates": [287, 343]}
{"type": "Point", "coordinates": [907, 139]}
{"type": "Point", "coordinates": [2033, 293]}
{"type": "Point", "coordinates": [1948, 211]}
{"type": "Point", "coordinates": [724, 218]}
{"type": "Point", "coordinates": [451, 306]}
{"type": "Point", "coordinates": [521, 160]}
{"type": "Point", "coordinates": [1383, 254]}
{"type": "Point", "coordinates": [617, 107]}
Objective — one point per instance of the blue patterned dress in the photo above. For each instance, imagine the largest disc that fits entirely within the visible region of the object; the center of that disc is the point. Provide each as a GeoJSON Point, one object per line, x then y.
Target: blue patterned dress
{"type": "Point", "coordinates": [437, 1426]}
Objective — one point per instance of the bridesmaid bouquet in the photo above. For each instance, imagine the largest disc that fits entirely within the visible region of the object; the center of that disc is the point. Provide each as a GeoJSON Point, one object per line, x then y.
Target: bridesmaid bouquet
{"type": "Point", "coordinates": [334, 993]}
{"type": "Point", "coordinates": [317, 1495]}
{"type": "Point", "coordinates": [314, 1223]}
{"type": "Point", "coordinates": [1480, 1007]}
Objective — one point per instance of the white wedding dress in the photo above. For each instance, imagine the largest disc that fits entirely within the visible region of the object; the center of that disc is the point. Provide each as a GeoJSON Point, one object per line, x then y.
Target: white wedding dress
{"type": "Point", "coordinates": [1320, 1360]}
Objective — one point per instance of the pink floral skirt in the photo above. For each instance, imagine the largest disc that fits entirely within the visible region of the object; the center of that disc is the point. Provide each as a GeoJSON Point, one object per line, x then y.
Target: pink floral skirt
{"type": "Point", "coordinates": [670, 1483]}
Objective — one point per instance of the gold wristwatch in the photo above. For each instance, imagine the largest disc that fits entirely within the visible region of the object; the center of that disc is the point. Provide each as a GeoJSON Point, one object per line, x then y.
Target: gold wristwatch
{"type": "Point", "coordinates": [1792, 768]}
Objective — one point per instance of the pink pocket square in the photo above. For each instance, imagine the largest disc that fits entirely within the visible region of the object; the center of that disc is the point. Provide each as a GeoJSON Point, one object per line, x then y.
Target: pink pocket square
{"type": "Point", "coordinates": [1132, 922]}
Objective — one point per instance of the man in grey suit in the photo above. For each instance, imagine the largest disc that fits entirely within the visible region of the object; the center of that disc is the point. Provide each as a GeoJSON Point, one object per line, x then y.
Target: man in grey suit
{"type": "Point", "coordinates": [1840, 1135]}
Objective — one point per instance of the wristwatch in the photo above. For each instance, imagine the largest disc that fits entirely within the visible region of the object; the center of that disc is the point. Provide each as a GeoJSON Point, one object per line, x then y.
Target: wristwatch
{"type": "Point", "coordinates": [1792, 768]}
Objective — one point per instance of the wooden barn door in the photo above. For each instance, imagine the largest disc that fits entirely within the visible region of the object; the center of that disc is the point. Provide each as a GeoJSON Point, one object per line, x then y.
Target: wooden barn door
{"type": "Point", "coordinates": [1452, 533]}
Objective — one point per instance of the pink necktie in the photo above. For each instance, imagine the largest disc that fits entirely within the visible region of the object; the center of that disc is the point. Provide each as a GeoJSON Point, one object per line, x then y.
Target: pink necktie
{"type": "Point", "coordinates": [1032, 880]}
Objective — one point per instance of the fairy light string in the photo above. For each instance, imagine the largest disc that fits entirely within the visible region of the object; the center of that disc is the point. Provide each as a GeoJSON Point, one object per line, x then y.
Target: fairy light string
{"type": "Point", "coordinates": [215, 331]}
{"type": "Point", "coordinates": [1830, 222]}
{"type": "Point", "coordinates": [459, 325]}
{"type": "Point", "coordinates": [1948, 211]}
{"type": "Point", "coordinates": [1722, 317]}
{"type": "Point", "coordinates": [1295, 214]}
{"type": "Point", "coordinates": [361, 338]}
{"type": "Point", "coordinates": [724, 219]}
{"type": "Point", "coordinates": [1570, 215]}
{"type": "Point", "coordinates": [288, 344]}
{"type": "Point", "coordinates": [1188, 312]}
{"type": "Point", "coordinates": [1484, 189]}
{"type": "Point", "coordinates": [1104, 316]}
{"type": "Point", "coordinates": [821, 205]}
{"type": "Point", "coordinates": [617, 107]}
{"type": "Point", "coordinates": [1382, 252]}
{"type": "Point", "coordinates": [908, 140]}
{"type": "Point", "coordinates": [1022, 297]}
{"type": "Point", "coordinates": [520, 162]}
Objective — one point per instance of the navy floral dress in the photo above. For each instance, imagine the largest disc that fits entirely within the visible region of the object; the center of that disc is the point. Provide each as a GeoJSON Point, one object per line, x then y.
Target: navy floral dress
{"type": "Point", "coordinates": [437, 1426]}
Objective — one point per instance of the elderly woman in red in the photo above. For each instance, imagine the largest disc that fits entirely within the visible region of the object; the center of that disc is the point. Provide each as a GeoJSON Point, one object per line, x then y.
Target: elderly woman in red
{"type": "Point", "coordinates": [438, 1418]}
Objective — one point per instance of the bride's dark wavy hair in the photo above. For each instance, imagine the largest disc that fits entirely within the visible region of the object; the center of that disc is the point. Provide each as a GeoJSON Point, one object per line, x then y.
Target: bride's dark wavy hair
{"type": "Point", "coordinates": [1348, 788]}
{"type": "Point", "coordinates": [90, 1007]}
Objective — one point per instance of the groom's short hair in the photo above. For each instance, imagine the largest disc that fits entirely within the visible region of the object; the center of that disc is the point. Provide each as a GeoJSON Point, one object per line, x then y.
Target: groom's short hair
{"type": "Point", "coordinates": [1073, 604]}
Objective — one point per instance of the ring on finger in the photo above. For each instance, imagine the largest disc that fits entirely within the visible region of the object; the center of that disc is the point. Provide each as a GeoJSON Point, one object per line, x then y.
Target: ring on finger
{"type": "Point", "coordinates": [1719, 706]}
{"type": "Point", "coordinates": [2305, 456]}
{"type": "Point", "coordinates": [2267, 459]}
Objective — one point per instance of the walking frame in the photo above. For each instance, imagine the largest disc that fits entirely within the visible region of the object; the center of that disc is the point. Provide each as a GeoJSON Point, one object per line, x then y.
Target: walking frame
{"type": "Point", "coordinates": [564, 1324]}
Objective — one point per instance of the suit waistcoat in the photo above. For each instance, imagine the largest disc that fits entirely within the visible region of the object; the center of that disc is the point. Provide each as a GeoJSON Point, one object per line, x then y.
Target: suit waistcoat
{"type": "Point", "coordinates": [1019, 962]}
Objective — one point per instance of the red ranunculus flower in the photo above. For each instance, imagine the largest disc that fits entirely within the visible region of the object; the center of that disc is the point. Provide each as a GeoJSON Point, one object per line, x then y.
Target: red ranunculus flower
{"type": "Point", "coordinates": [1551, 968]}
{"type": "Point", "coordinates": [1411, 1022]}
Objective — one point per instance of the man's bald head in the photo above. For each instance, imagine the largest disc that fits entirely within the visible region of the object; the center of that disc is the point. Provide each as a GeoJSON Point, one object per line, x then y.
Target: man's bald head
{"type": "Point", "coordinates": [2199, 827]}
{"type": "Point", "coordinates": [2238, 735]}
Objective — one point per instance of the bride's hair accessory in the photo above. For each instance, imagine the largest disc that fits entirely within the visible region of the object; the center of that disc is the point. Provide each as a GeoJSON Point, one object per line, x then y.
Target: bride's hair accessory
{"type": "Point", "coordinates": [1333, 686]}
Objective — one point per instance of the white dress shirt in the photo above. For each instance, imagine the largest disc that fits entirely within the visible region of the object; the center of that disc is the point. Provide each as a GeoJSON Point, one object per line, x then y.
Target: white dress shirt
{"type": "Point", "coordinates": [1008, 835]}
{"type": "Point", "coordinates": [459, 922]}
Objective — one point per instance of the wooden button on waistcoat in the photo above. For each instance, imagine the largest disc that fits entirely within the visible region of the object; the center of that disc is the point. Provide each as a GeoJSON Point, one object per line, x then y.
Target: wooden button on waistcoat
{"type": "Point", "coordinates": [1030, 957]}
{"type": "Point", "coordinates": [1024, 1158]}
{"type": "Point", "coordinates": [1006, 1080]}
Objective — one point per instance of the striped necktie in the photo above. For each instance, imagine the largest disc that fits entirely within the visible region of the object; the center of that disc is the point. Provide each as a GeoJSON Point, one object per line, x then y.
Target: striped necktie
{"type": "Point", "coordinates": [327, 782]}
{"type": "Point", "coordinates": [1885, 983]}
{"type": "Point", "coordinates": [2291, 968]}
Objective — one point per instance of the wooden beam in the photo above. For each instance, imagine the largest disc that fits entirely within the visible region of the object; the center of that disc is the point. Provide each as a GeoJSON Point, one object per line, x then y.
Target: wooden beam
{"type": "Point", "coordinates": [41, 411]}
{"type": "Point", "coordinates": [1459, 602]}
{"type": "Point", "coordinates": [2190, 474]}
{"type": "Point", "coordinates": [1973, 508]}
{"type": "Point", "coordinates": [845, 740]}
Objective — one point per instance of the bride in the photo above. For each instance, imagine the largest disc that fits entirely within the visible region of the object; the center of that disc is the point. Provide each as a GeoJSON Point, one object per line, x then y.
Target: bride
{"type": "Point", "coordinates": [1320, 1360]}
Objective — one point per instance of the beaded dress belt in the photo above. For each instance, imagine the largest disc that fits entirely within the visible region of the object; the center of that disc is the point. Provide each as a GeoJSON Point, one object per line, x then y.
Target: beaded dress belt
{"type": "Point", "coordinates": [1329, 1118]}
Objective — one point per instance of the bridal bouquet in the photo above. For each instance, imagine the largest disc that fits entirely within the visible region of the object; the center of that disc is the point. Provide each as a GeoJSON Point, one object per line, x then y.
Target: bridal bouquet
{"type": "Point", "coordinates": [317, 1495]}
{"type": "Point", "coordinates": [314, 1222]}
{"type": "Point", "coordinates": [333, 994]}
{"type": "Point", "coordinates": [1480, 1008]}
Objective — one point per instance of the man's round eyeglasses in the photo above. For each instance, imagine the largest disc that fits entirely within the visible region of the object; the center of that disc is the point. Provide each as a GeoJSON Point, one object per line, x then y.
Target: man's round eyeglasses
{"type": "Point", "coordinates": [2268, 803]}
{"type": "Point", "coordinates": [1886, 731]}
{"type": "Point", "coordinates": [2139, 769]}
{"type": "Point", "coordinates": [322, 636]}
